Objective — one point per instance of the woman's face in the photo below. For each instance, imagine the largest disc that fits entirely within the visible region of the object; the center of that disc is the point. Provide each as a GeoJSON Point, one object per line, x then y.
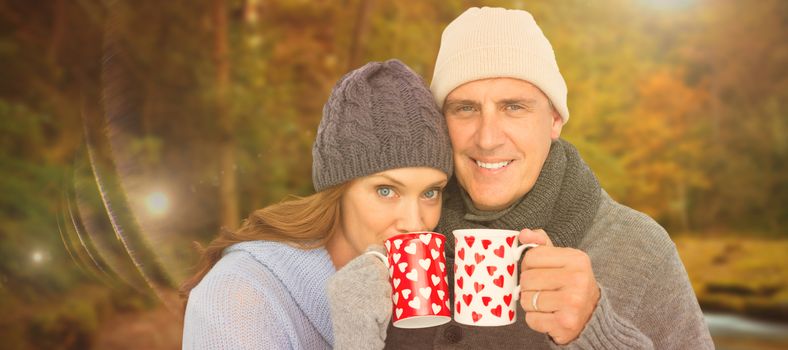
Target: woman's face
{"type": "Point", "coordinates": [379, 206]}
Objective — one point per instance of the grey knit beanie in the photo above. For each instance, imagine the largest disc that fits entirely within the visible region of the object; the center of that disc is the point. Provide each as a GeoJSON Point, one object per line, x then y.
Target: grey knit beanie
{"type": "Point", "coordinates": [379, 117]}
{"type": "Point", "coordinates": [497, 43]}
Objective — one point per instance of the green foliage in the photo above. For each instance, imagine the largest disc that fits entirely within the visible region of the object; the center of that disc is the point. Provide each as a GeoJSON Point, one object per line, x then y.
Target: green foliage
{"type": "Point", "coordinates": [27, 224]}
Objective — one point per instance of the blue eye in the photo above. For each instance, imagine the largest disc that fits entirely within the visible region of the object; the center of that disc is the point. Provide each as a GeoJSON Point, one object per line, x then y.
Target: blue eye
{"type": "Point", "coordinates": [385, 192]}
{"type": "Point", "coordinates": [432, 194]}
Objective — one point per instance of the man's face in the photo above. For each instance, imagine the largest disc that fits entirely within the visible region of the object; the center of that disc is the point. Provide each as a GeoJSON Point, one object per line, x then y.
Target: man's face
{"type": "Point", "coordinates": [501, 130]}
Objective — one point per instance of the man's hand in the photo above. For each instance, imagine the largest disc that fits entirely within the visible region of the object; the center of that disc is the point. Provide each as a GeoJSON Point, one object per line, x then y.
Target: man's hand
{"type": "Point", "coordinates": [568, 292]}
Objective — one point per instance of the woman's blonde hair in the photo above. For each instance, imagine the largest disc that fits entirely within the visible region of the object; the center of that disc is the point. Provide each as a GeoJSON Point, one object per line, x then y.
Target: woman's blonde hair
{"type": "Point", "coordinates": [306, 222]}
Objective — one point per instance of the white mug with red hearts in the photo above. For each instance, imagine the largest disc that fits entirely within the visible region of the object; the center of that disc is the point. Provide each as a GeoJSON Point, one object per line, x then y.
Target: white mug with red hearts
{"type": "Point", "coordinates": [485, 276]}
{"type": "Point", "coordinates": [417, 272]}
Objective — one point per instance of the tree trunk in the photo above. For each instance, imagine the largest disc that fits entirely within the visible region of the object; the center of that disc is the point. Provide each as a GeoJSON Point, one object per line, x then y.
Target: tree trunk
{"type": "Point", "coordinates": [684, 218]}
{"type": "Point", "coordinates": [362, 22]}
{"type": "Point", "coordinates": [251, 11]}
{"type": "Point", "coordinates": [228, 192]}
{"type": "Point", "coordinates": [58, 27]}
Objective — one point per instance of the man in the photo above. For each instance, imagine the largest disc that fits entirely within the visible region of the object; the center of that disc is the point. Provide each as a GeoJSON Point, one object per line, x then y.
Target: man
{"type": "Point", "coordinates": [605, 276]}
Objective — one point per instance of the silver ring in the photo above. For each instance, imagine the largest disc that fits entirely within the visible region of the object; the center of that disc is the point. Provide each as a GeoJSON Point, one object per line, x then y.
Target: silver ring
{"type": "Point", "coordinates": [535, 299]}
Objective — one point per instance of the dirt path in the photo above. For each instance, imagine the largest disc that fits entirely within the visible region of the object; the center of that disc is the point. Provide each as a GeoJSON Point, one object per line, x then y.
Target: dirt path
{"type": "Point", "coordinates": [155, 329]}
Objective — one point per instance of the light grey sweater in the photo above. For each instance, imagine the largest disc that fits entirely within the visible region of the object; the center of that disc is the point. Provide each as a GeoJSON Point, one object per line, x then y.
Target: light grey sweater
{"type": "Point", "coordinates": [262, 295]}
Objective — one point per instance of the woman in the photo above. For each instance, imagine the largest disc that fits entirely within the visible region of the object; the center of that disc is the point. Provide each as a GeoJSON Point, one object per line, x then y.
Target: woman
{"type": "Point", "coordinates": [380, 161]}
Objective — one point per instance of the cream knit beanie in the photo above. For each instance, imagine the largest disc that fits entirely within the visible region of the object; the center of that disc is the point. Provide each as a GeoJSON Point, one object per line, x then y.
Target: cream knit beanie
{"type": "Point", "coordinates": [495, 43]}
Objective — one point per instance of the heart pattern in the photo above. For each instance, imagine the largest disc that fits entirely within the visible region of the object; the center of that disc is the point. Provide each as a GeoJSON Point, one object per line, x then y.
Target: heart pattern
{"type": "Point", "coordinates": [417, 269]}
{"type": "Point", "coordinates": [425, 263]}
{"type": "Point", "coordinates": [498, 281]}
{"type": "Point", "coordinates": [469, 269]}
{"type": "Point", "coordinates": [499, 252]}
{"type": "Point", "coordinates": [434, 253]}
{"type": "Point", "coordinates": [478, 287]}
{"type": "Point", "coordinates": [467, 298]}
{"type": "Point", "coordinates": [436, 308]}
{"type": "Point", "coordinates": [485, 297]}
{"type": "Point", "coordinates": [496, 311]}
{"type": "Point", "coordinates": [415, 303]}
{"type": "Point", "coordinates": [425, 292]}
{"type": "Point", "coordinates": [405, 293]}
{"type": "Point", "coordinates": [413, 275]}
{"type": "Point", "coordinates": [435, 280]}
{"type": "Point", "coordinates": [402, 266]}
{"type": "Point", "coordinates": [476, 317]}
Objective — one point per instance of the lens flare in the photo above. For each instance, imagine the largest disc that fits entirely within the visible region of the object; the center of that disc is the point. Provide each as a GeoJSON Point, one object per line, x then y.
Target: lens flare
{"type": "Point", "coordinates": [157, 203]}
{"type": "Point", "coordinates": [37, 257]}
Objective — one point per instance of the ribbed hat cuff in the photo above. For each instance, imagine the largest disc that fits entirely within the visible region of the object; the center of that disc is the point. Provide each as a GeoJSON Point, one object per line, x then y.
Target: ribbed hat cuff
{"type": "Point", "coordinates": [369, 164]}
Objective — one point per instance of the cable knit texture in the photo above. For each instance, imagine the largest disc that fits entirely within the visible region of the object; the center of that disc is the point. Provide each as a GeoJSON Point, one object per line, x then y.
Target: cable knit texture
{"type": "Point", "coordinates": [646, 299]}
{"type": "Point", "coordinates": [262, 295]}
{"type": "Point", "coordinates": [379, 117]}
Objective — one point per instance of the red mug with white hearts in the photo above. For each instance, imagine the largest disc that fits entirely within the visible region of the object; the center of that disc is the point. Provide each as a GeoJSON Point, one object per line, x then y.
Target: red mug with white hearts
{"type": "Point", "coordinates": [417, 272]}
{"type": "Point", "coordinates": [485, 276]}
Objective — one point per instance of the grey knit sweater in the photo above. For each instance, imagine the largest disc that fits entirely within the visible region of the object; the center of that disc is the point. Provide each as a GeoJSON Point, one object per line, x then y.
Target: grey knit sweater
{"type": "Point", "coordinates": [646, 299]}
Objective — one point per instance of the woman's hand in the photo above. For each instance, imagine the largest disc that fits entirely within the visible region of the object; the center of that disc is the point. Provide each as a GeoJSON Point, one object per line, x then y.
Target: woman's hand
{"type": "Point", "coordinates": [360, 298]}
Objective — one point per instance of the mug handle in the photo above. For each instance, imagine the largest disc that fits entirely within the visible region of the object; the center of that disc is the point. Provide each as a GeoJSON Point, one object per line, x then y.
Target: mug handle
{"type": "Point", "coordinates": [518, 252]}
{"type": "Point", "coordinates": [380, 256]}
